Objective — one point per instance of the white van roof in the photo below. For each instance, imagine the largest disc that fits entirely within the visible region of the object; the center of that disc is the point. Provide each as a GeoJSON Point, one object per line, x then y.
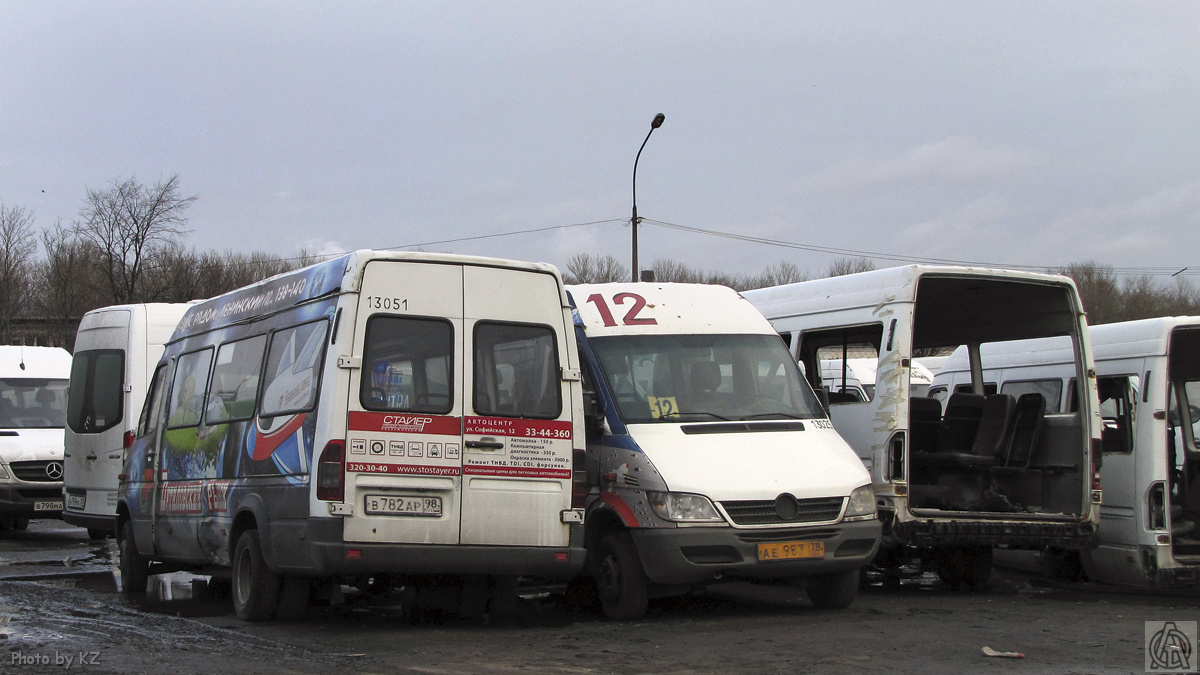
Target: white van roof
{"type": "Point", "coordinates": [869, 289]}
{"type": "Point", "coordinates": [668, 309]}
{"type": "Point", "coordinates": [1145, 337]}
{"type": "Point", "coordinates": [50, 362]}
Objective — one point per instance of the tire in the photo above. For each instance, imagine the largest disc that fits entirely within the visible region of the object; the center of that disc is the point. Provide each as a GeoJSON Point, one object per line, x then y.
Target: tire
{"type": "Point", "coordinates": [620, 580]}
{"type": "Point", "coordinates": [96, 534]}
{"type": "Point", "coordinates": [21, 524]}
{"type": "Point", "coordinates": [255, 586]}
{"type": "Point", "coordinates": [833, 591]}
{"type": "Point", "coordinates": [135, 570]}
{"type": "Point", "coordinates": [293, 598]}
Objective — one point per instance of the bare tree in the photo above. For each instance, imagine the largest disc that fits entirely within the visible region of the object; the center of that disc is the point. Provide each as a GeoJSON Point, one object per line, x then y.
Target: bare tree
{"type": "Point", "coordinates": [585, 268]}
{"type": "Point", "coordinates": [1098, 288]}
{"type": "Point", "coordinates": [130, 224]}
{"type": "Point", "coordinates": [68, 286]}
{"type": "Point", "coordinates": [779, 274]}
{"type": "Point", "coordinates": [17, 246]}
{"type": "Point", "coordinates": [843, 266]}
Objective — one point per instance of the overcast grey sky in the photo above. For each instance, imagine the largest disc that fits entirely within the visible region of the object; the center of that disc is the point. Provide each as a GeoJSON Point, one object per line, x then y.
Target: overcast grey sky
{"type": "Point", "coordinates": [1016, 133]}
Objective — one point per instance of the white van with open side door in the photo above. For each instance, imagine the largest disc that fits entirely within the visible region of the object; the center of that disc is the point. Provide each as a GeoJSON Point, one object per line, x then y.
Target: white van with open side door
{"type": "Point", "coordinates": [116, 349]}
{"type": "Point", "coordinates": [959, 476]}
{"type": "Point", "coordinates": [1148, 379]}
{"type": "Point", "coordinates": [33, 408]}
{"type": "Point", "coordinates": [378, 418]}
{"type": "Point", "coordinates": [709, 457]}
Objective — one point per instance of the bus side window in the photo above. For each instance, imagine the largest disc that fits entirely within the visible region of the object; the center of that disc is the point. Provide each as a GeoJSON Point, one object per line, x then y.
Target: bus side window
{"type": "Point", "coordinates": [1116, 409]}
{"type": "Point", "coordinates": [187, 389]}
{"type": "Point", "coordinates": [152, 410]}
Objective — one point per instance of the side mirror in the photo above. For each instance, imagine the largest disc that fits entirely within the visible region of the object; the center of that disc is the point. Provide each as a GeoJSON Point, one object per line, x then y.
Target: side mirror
{"type": "Point", "coordinates": [593, 415]}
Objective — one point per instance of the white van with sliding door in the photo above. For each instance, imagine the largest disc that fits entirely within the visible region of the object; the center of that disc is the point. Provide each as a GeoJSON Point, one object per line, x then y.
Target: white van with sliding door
{"type": "Point", "coordinates": [377, 419]}
{"type": "Point", "coordinates": [116, 349]}
{"type": "Point", "coordinates": [959, 475]}
{"type": "Point", "coordinates": [33, 406]}
{"type": "Point", "coordinates": [1148, 379]}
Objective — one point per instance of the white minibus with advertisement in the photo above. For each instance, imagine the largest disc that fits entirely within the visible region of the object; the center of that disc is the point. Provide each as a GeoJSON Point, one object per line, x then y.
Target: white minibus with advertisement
{"type": "Point", "coordinates": [1148, 379]}
{"type": "Point", "coordinates": [984, 469]}
{"type": "Point", "coordinates": [33, 407]}
{"type": "Point", "coordinates": [381, 418]}
{"type": "Point", "coordinates": [709, 458]}
{"type": "Point", "coordinates": [116, 349]}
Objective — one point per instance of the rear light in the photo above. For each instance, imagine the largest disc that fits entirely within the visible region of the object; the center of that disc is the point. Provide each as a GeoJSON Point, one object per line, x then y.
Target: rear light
{"type": "Point", "coordinates": [1156, 514]}
{"type": "Point", "coordinates": [331, 472]}
{"type": "Point", "coordinates": [896, 457]}
{"type": "Point", "coordinates": [128, 440]}
{"type": "Point", "coordinates": [579, 486]}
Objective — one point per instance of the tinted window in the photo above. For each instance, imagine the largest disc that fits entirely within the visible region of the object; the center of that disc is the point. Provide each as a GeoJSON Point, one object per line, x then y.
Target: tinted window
{"type": "Point", "coordinates": [97, 390]}
{"type": "Point", "coordinates": [293, 368]}
{"type": "Point", "coordinates": [1051, 391]}
{"type": "Point", "coordinates": [152, 410]}
{"type": "Point", "coordinates": [235, 380]}
{"type": "Point", "coordinates": [516, 371]}
{"type": "Point", "coordinates": [407, 365]}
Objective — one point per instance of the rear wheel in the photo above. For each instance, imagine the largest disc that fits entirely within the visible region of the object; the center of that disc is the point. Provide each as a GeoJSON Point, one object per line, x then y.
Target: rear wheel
{"type": "Point", "coordinates": [620, 580]}
{"type": "Point", "coordinates": [833, 591]}
{"type": "Point", "coordinates": [135, 570]}
{"type": "Point", "coordinates": [255, 586]}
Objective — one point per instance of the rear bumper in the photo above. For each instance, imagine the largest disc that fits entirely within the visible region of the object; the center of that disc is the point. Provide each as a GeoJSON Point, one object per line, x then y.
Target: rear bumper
{"type": "Point", "coordinates": [702, 555]}
{"type": "Point", "coordinates": [21, 501]}
{"type": "Point", "coordinates": [329, 555]}
{"type": "Point", "coordinates": [92, 521]}
{"type": "Point", "coordinates": [1072, 536]}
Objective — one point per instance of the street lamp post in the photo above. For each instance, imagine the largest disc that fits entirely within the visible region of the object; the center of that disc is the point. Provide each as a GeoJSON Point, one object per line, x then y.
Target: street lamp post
{"type": "Point", "coordinates": [658, 120]}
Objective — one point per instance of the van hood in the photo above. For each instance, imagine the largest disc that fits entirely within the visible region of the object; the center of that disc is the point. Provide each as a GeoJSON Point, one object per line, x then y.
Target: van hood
{"type": "Point", "coordinates": [752, 465]}
{"type": "Point", "coordinates": [31, 444]}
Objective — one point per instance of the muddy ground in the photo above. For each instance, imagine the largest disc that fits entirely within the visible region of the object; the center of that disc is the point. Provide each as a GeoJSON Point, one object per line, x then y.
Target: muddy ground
{"type": "Point", "coordinates": [53, 614]}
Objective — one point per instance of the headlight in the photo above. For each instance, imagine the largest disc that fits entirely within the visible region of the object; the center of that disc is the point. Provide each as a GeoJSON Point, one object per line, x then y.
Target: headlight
{"type": "Point", "coordinates": [684, 508]}
{"type": "Point", "coordinates": [862, 502]}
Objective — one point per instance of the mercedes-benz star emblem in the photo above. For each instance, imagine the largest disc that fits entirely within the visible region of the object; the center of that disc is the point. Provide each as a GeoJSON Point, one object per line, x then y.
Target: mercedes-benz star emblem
{"type": "Point", "coordinates": [54, 470]}
{"type": "Point", "coordinates": [786, 507]}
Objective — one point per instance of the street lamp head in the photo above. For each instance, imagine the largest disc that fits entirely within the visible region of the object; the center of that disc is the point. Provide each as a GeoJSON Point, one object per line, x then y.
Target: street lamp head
{"type": "Point", "coordinates": [658, 120]}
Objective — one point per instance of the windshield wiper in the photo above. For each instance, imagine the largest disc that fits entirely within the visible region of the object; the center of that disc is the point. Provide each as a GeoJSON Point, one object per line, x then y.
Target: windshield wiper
{"type": "Point", "coordinates": [790, 416]}
{"type": "Point", "coordinates": [696, 412]}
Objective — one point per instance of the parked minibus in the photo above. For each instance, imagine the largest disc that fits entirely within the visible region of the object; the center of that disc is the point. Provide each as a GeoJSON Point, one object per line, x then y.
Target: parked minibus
{"type": "Point", "coordinates": [33, 406]}
{"type": "Point", "coordinates": [1148, 379]}
{"type": "Point", "coordinates": [116, 349]}
{"type": "Point", "coordinates": [983, 470]}
{"type": "Point", "coordinates": [709, 457]}
{"type": "Point", "coordinates": [378, 418]}
{"type": "Point", "coordinates": [855, 378]}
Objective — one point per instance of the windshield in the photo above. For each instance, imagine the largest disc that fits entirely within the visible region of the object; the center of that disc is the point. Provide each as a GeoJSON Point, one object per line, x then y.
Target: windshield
{"type": "Point", "coordinates": [29, 403]}
{"type": "Point", "coordinates": [690, 378]}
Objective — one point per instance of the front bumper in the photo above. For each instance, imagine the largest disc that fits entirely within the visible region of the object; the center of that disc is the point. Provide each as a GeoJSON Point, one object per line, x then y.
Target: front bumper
{"type": "Point", "coordinates": [698, 555]}
{"type": "Point", "coordinates": [31, 500]}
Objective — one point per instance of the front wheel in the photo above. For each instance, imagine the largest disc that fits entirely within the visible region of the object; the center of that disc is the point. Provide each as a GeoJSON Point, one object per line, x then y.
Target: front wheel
{"type": "Point", "coordinates": [255, 586]}
{"type": "Point", "coordinates": [620, 580]}
{"type": "Point", "coordinates": [135, 570]}
{"type": "Point", "coordinates": [833, 591]}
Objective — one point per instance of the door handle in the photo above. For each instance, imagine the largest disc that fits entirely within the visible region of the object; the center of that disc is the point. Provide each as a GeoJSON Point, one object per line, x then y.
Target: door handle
{"type": "Point", "coordinates": [91, 456]}
{"type": "Point", "coordinates": [485, 445]}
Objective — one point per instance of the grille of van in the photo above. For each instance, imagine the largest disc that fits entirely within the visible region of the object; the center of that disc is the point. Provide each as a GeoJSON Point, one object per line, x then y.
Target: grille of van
{"type": "Point", "coordinates": [41, 471]}
{"type": "Point", "coordinates": [764, 512]}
